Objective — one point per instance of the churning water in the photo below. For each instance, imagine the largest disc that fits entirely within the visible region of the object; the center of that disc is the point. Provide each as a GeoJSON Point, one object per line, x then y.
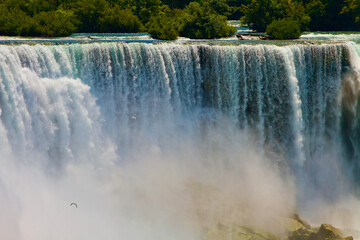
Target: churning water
{"type": "Point", "coordinates": [141, 135]}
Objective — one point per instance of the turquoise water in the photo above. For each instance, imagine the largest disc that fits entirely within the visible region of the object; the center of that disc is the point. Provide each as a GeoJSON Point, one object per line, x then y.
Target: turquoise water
{"type": "Point", "coordinates": [146, 38]}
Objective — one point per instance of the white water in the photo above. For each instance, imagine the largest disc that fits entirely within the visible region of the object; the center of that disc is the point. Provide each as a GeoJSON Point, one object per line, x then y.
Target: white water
{"type": "Point", "coordinates": [162, 141]}
{"type": "Point", "coordinates": [333, 36]}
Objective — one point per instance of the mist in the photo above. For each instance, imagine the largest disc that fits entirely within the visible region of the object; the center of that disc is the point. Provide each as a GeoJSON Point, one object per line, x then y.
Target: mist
{"type": "Point", "coordinates": [169, 192]}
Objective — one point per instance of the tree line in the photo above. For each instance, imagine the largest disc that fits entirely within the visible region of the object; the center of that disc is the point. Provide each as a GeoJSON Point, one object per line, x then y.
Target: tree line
{"type": "Point", "coordinates": [168, 19]}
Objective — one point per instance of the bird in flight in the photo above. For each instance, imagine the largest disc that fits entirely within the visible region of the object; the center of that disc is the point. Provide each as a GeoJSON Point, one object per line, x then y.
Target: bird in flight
{"type": "Point", "coordinates": [73, 204]}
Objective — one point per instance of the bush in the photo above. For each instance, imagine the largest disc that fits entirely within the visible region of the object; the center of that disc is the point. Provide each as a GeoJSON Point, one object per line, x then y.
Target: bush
{"type": "Point", "coordinates": [162, 27]}
{"type": "Point", "coordinates": [284, 29]}
{"type": "Point", "coordinates": [200, 21]}
{"type": "Point", "coordinates": [116, 20]}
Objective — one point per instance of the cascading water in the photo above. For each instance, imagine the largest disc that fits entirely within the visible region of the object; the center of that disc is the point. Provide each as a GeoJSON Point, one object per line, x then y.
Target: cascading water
{"type": "Point", "coordinates": [141, 114]}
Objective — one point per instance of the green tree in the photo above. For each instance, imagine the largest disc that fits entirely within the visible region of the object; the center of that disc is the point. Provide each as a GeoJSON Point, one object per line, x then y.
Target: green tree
{"type": "Point", "coordinates": [353, 7]}
{"type": "Point", "coordinates": [200, 21]}
{"type": "Point", "coordinates": [14, 21]}
{"type": "Point", "coordinates": [37, 6]}
{"type": "Point", "coordinates": [333, 18]}
{"type": "Point", "coordinates": [162, 27]}
{"type": "Point", "coordinates": [236, 8]}
{"type": "Point", "coordinates": [144, 9]}
{"type": "Point", "coordinates": [260, 13]}
{"type": "Point", "coordinates": [219, 6]}
{"type": "Point", "coordinates": [57, 23]}
{"type": "Point", "coordinates": [88, 13]}
{"type": "Point", "coordinates": [119, 20]}
{"type": "Point", "coordinates": [316, 11]}
{"type": "Point", "coordinates": [176, 3]}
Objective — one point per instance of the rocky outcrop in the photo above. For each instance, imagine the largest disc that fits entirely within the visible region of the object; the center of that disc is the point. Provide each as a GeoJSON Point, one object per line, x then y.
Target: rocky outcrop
{"type": "Point", "coordinates": [325, 232]}
{"type": "Point", "coordinates": [297, 228]}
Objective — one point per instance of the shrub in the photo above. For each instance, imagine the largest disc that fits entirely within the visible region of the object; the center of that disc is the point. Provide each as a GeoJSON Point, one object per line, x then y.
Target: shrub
{"type": "Point", "coordinates": [162, 27]}
{"type": "Point", "coordinates": [284, 29]}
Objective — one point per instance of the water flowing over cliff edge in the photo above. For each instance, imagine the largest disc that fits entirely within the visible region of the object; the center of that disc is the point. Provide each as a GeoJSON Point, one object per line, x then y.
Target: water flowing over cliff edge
{"type": "Point", "coordinates": [128, 131]}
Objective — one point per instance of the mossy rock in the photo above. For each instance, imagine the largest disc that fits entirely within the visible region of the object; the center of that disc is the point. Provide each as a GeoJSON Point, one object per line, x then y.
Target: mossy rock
{"type": "Point", "coordinates": [235, 232]}
{"type": "Point", "coordinates": [302, 234]}
{"type": "Point", "coordinates": [325, 232]}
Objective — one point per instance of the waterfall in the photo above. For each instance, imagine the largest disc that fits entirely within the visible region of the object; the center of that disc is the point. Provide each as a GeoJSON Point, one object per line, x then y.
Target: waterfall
{"type": "Point", "coordinates": [109, 104]}
{"type": "Point", "coordinates": [289, 97]}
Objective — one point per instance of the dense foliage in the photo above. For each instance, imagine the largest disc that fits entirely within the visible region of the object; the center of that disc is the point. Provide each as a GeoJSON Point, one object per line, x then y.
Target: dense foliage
{"type": "Point", "coordinates": [166, 19]}
{"type": "Point", "coordinates": [284, 29]}
{"type": "Point", "coordinates": [260, 13]}
{"type": "Point", "coordinates": [162, 27]}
